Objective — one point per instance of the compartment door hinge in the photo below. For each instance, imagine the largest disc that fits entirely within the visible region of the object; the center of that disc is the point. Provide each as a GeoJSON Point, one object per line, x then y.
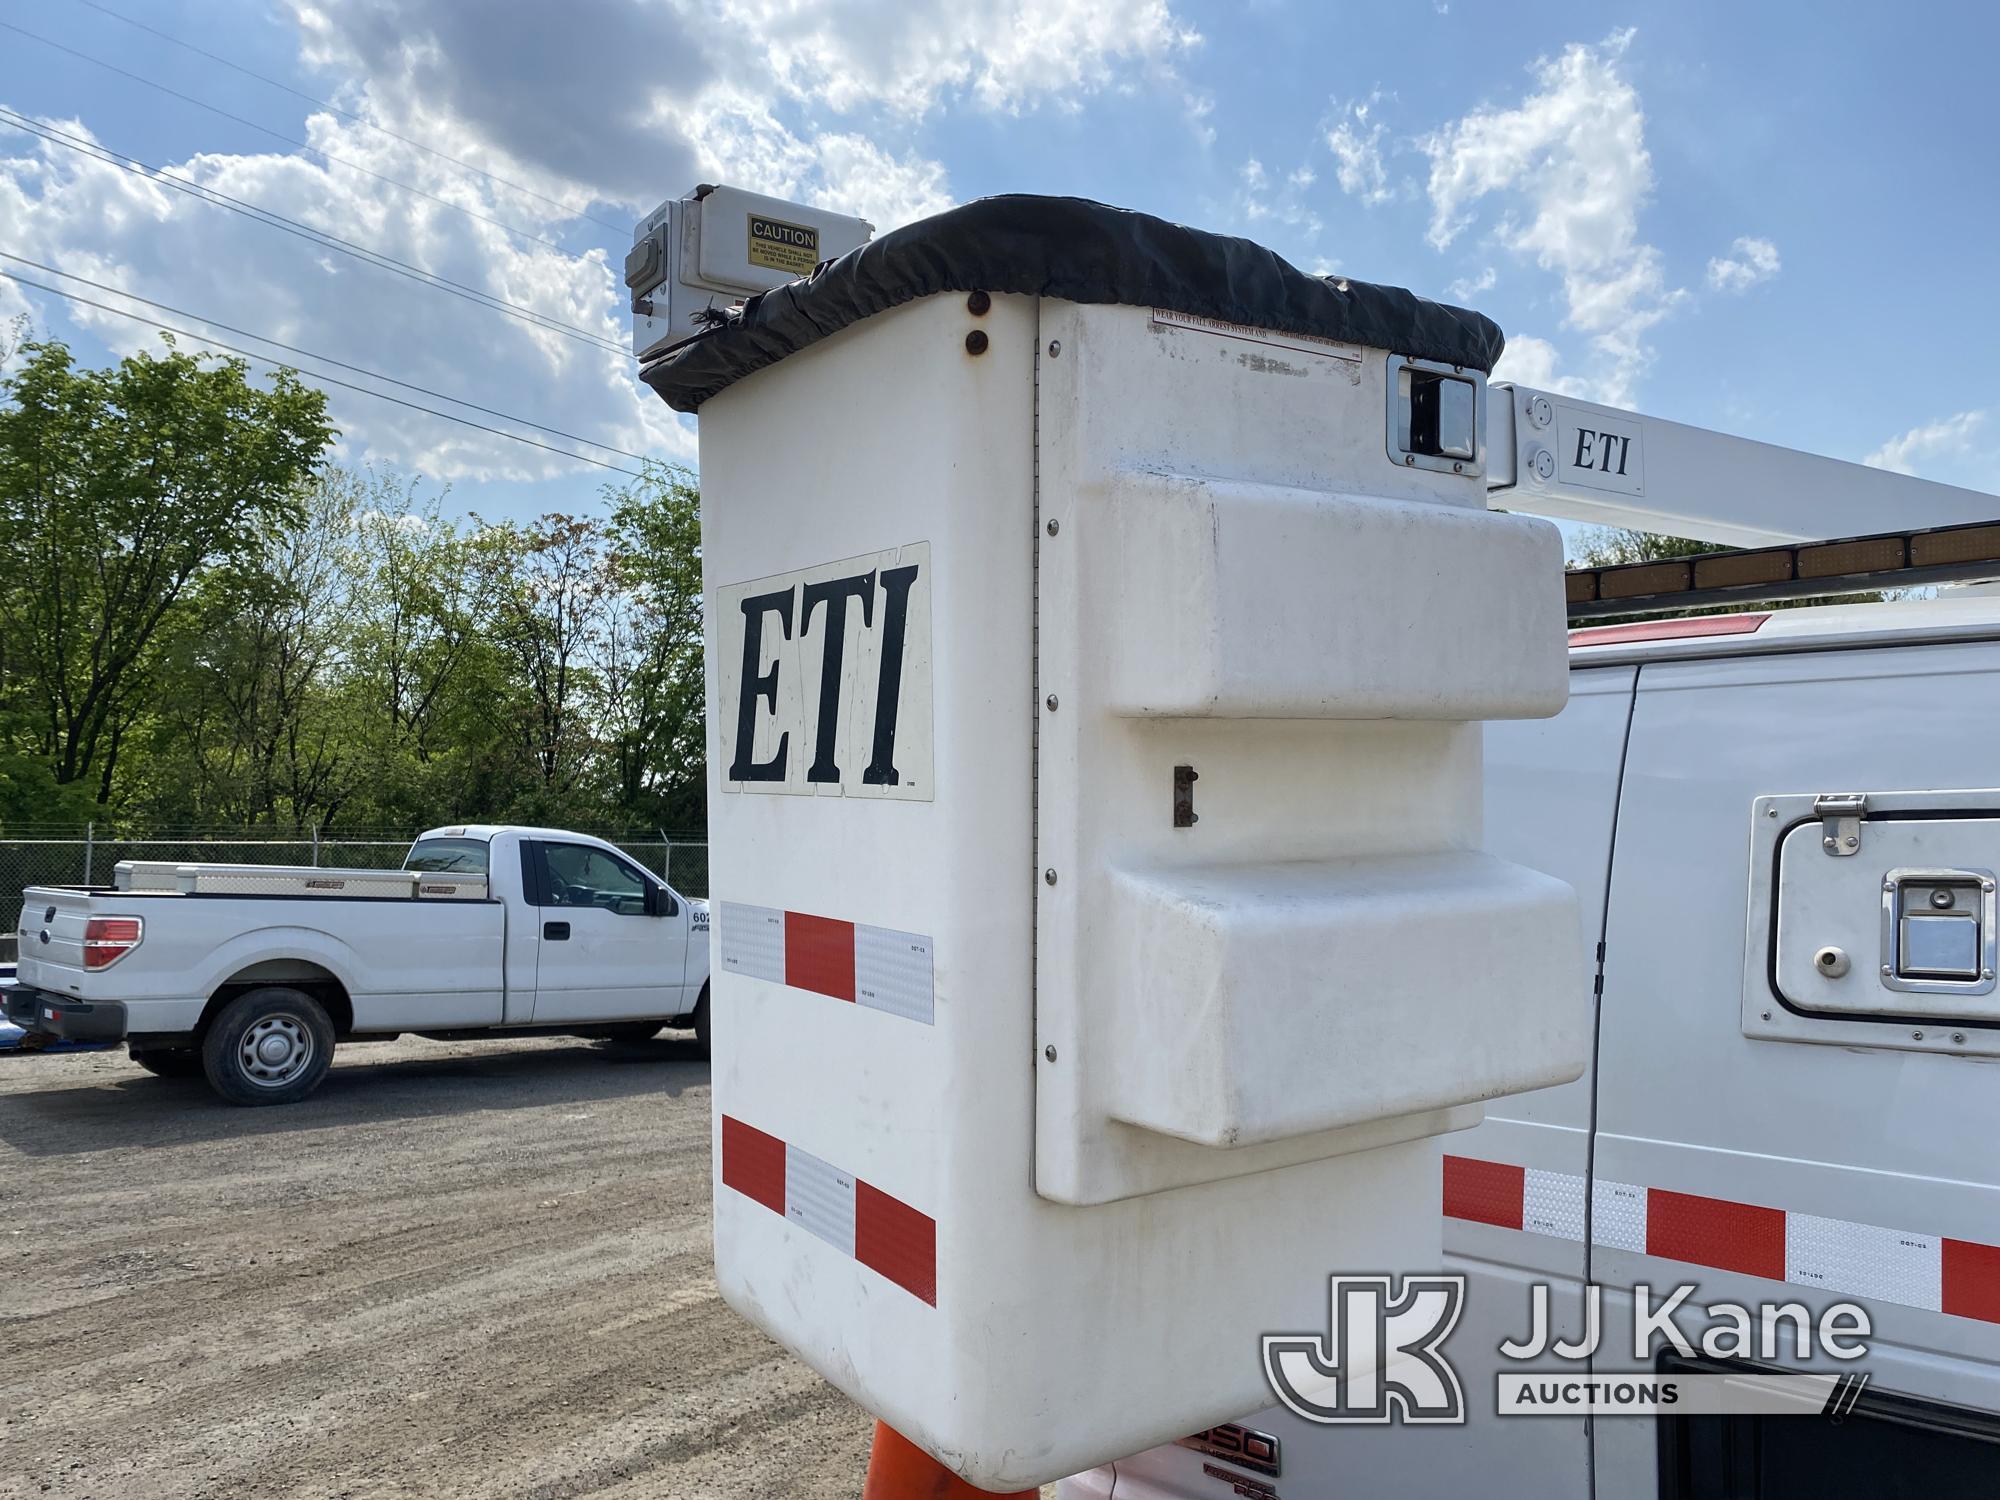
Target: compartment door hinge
{"type": "Point", "coordinates": [1841, 813]}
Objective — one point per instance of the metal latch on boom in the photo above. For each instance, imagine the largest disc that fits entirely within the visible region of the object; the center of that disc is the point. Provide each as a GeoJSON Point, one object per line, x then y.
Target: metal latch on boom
{"type": "Point", "coordinates": [1840, 814]}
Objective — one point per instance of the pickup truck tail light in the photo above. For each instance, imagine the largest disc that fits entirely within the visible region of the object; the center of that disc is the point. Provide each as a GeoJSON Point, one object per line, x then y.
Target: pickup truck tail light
{"type": "Point", "coordinates": [108, 939]}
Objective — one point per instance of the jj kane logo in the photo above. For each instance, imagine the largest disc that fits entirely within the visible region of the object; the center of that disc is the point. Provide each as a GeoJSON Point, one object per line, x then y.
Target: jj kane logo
{"type": "Point", "coordinates": [1382, 1357]}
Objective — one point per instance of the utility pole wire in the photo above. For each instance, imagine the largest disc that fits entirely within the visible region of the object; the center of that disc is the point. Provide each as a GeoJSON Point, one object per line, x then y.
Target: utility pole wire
{"type": "Point", "coordinates": [261, 359]}
{"type": "Point", "coordinates": [347, 114]}
{"type": "Point", "coordinates": [327, 359]}
{"type": "Point", "coordinates": [279, 135]}
{"type": "Point", "coordinates": [320, 237]}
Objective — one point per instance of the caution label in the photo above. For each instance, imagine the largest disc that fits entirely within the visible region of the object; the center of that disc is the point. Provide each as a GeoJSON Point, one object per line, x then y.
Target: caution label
{"type": "Point", "coordinates": [778, 246]}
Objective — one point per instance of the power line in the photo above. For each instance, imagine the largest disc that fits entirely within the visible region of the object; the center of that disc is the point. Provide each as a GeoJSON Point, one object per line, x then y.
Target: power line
{"type": "Point", "coordinates": [328, 359]}
{"type": "Point", "coordinates": [279, 135]}
{"type": "Point", "coordinates": [347, 114]}
{"type": "Point", "coordinates": [320, 237]}
{"type": "Point", "coordinates": [517, 437]}
{"type": "Point", "coordinates": [325, 239]}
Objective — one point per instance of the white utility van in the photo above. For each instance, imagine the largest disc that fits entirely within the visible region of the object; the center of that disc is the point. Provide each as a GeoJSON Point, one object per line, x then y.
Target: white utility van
{"type": "Point", "coordinates": [252, 974]}
{"type": "Point", "coordinates": [1792, 1096]}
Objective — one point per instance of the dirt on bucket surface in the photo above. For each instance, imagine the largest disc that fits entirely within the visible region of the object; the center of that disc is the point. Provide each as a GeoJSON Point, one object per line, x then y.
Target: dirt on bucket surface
{"type": "Point", "coordinates": [459, 1269]}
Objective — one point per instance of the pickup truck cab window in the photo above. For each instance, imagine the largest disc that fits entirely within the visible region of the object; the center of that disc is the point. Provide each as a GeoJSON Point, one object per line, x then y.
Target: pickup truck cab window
{"type": "Point", "coordinates": [449, 856]}
{"type": "Point", "coordinates": [577, 875]}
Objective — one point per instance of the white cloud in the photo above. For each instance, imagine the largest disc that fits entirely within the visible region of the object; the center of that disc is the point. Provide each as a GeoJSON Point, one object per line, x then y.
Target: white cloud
{"type": "Point", "coordinates": [1535, 362]}
{"type": "Point", "coordinates": [1003, 54]}
{"type": "Point", "coordinates": [1750, 260]}
{"type": "Point", "coordinates": [858, 177]}
{"type": "Point", "coordinates": [1570, 168]}
{"type": "Point", "coordinates": [595, 108]}
{"type": "Point", "coordinates": [743, 144]}
{"type": "Point", "coordinates": [1951, 437]}
{"type": "Point", "coordinates": [1262, 200]}
{"type": "Point", "coordinates": [64, 209]}
{"type": "Point", "coordinates": [565, 98]}
{"type": "Point", "coordinates": [580, 89]}
{"type": "Point", "coordinates": [1467, 287]}
{"type": "Point", "coordinates": [1356, 143]}
{"type": "Point", "coordinates": [1199, 108]}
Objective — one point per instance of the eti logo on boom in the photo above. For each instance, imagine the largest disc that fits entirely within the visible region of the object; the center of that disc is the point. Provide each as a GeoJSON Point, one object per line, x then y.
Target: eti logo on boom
{"type": "Point", "coordinates": [1600, 454]}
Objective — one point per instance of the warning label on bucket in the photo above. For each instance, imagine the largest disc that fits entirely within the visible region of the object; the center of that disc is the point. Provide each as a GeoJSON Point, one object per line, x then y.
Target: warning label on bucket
{"type": "Point", "coordinates": [778, 246]}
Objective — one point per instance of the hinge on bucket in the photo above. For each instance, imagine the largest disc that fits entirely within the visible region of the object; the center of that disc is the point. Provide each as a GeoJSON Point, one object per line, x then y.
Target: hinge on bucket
{"type": "Point", "coordinates": [1841, 814]}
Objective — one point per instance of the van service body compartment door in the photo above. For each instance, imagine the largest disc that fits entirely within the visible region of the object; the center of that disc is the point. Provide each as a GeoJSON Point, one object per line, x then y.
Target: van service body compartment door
{"type": "Point", "coordinates": [1874, 907]}
{"type": "Point", "coordinates": [1726, 1156]}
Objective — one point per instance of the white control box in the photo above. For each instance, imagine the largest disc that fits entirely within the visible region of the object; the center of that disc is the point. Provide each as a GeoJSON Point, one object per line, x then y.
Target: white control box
{"type": "Point", "coordinates": [695, 256]}
{"type": "Point", "coordinates": [1102, 937]}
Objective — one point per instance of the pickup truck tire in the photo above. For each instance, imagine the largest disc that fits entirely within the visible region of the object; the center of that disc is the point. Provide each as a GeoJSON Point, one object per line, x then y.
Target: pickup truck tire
{"type": "Point", "coordinates": [269, 1046]}
{"type": "Point", "coordinates": [168, 1062]}
{"type": "Point", "coordinates": [701, 1023]}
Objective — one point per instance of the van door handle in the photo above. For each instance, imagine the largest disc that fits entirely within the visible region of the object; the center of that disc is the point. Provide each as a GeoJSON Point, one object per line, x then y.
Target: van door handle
{"type": "Point", "coordinates": [556, 932]}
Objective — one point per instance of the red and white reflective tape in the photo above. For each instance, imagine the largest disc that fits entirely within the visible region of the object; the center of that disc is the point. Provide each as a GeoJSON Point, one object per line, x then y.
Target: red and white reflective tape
{"type": "Point", "coordinates": [1930, 1271]}
{"type": "Point", "coordinates": [876, 967]}
{"type": "Point", "coordinates": [862, 1222]}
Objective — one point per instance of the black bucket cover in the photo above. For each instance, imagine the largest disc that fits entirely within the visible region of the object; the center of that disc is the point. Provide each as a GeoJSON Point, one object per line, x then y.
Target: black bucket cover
{"type": "Point", "coordinates": [1073, 250]}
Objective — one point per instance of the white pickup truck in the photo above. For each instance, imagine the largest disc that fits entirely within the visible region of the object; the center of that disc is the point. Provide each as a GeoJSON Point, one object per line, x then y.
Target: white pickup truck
{"type": "Point", "coordinates": [252, 974]}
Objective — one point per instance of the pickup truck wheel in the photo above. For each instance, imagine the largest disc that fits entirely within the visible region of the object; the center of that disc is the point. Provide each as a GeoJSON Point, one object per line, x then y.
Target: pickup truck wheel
{"type": "Point", "coordinates": [270, 1046]}
{"type": "Point", "coordinates": [701, 1023]}
{"type": "Point", "coordinates": [168, 1062]}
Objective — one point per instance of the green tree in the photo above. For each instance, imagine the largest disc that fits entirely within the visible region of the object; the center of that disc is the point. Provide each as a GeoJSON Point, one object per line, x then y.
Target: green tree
{"type": "Point", "coordinates": [118, 489]}
{"type": "Point", "coordinates": [249, 725]}
{"type": "Point", "coordinates": [428, 697]}
{"type": "Point", "coordinates": [1608, 546]}
{"type": "Point", "coordinates": [424, 611]}
{"type": "Point", "coordinates": [654, 720]}
{"type": "Point", "coordinates": [550, 622]}
{"type": "Point", "coordinates": [29, 794]}
{"type": "Point", "coordinates": [203, 621]}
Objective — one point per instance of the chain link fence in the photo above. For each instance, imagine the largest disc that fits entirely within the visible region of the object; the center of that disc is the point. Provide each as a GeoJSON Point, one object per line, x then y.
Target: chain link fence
{"type": "Point", "coordinates": [66, 857]}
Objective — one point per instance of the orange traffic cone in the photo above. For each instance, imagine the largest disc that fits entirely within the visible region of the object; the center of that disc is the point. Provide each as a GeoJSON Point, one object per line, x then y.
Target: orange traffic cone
{"type": "Point", "coordinates": [899, 1470]}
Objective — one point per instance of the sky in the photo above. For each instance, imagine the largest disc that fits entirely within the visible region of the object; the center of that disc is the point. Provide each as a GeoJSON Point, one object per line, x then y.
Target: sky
{"type": "Point", "coordinates": [1778, 220]}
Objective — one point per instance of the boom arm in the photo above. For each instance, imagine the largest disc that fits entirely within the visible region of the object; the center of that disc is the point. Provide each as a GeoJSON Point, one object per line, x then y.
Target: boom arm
{"type": "Point", "coordinates": [1556, 456]}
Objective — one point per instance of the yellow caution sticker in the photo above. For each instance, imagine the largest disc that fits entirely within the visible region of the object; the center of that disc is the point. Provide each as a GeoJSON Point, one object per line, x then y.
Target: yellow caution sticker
{"type": "Point", "coordinates": [778, 246]}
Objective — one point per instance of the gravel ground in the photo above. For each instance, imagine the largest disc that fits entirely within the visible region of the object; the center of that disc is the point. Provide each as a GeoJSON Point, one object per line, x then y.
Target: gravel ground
{"type": "Point", "coordinates": [459, 1269]}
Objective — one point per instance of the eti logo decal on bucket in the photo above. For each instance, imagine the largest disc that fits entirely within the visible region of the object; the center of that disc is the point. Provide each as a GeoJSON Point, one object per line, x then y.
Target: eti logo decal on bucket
{"type": "Point", "coordinates": [1379, 1360]}
{"type": "Point", "coordinates": [825, 679]}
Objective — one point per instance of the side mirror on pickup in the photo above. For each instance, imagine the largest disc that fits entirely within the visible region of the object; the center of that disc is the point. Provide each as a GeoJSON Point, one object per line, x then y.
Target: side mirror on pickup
{"type": "Point", "coordinates": [660, 901]}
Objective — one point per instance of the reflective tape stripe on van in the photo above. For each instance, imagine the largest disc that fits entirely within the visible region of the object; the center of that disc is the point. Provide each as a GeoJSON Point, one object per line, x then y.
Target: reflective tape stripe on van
{"type": "Point", "coordinates": [1929, 1271]}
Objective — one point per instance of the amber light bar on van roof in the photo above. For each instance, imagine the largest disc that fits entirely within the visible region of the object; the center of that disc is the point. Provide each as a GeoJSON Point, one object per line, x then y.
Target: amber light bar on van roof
{"type": "Point", "coordinates": [1801, 570]}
